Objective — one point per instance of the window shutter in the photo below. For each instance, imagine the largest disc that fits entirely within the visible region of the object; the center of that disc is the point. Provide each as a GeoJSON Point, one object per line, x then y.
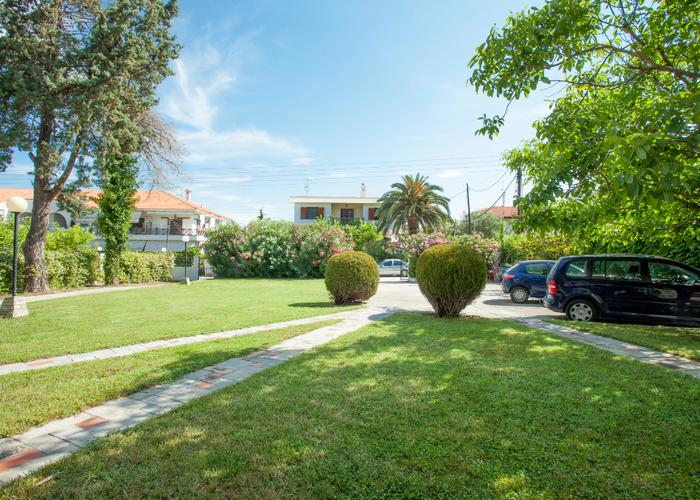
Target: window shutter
{"type": "Point", "coordinates": [320, 211]}
{"type": "Point", "coordinates": [372, 213]}
{"type": "Point", "coordinates": [303, 213]}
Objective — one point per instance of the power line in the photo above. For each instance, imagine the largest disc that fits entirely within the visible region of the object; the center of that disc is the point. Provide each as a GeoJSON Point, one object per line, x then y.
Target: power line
{"type": "Point", "coordinates": [492, 185]}
{"type": "Point", "coordinates": [494, 203]}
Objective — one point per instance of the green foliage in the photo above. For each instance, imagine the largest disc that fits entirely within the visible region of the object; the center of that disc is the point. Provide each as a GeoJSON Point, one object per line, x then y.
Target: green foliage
{"type": "Point", "coordinates": [116, 202]}
{"type": "Point", "coordinates": [616, 164]}
{"type": "Point", "coordinates": [363, 235]}
{"type": "Point", "coordinates": [145, 267]}
{"type": "Point", "coordinates": [183, 258]}
{"type": "Point", "coordinates": [68, 240]}
{"type": "Point", "coordinates": [71, 262]}
{"type": "Point", "coordinates": [484, 223]}
{"type": "Point", "coordinates": [351, 277]}
{"type": "Point", "coordinates": [412, 204]}
{"type": "Point", "coordinates": [73, 269]}
{"type": "Point", "coordinates": [275, 249]}
{"type": "Point", "coordinates": [535, 246]}
{"type": "Point", "coordinates": [450, 276]}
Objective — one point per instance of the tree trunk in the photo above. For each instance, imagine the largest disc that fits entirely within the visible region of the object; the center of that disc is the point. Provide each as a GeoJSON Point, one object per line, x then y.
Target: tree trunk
{"type": "Point", "coordinates": [413, 223]}
{"type": "Point", "coordinates": [35, 271]}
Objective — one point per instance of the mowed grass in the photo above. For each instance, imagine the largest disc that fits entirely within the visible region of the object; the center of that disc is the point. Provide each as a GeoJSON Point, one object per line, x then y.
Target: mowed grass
{"type": "Point", "coordinates": [679, 340]}
{"type": "Point", "coordinates": [35, 397]}
{"type": "Point", "coordinates": [412, 406]}
{"type": "Point", "coordinates": [89, 322]}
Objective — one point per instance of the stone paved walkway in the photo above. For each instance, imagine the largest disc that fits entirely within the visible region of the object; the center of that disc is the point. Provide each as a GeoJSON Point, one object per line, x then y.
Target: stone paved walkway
{"type": "Point", "coordinates": [88, 291]}
{"type": "Point", "coordinates": [639, 353]}
{"type": "Point", "coordinates": [115, 352]}
{"type": "Point", "coordinates": [27, 452]}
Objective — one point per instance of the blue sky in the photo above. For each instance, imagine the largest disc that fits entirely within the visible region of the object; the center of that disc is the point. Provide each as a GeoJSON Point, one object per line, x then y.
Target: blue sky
{"type": "Point", "coordinates": [269, 93]}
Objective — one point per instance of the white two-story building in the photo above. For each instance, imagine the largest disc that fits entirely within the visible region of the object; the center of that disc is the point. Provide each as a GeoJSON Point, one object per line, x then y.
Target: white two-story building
{"type": "Point", "coordinates": [346, 209]}
{"type": "Point", "coordinates": [159, 220]}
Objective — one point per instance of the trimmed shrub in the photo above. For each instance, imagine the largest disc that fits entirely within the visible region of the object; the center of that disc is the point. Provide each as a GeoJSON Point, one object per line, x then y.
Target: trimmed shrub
{"type": "Point", "coordinates": [145, 267]}
{"type": "Point", "coordinates": [351, 277]}
{"type": "Point", "coordinates": [73, 269]}
{"type": "Point", "coordinates": [450, 276]}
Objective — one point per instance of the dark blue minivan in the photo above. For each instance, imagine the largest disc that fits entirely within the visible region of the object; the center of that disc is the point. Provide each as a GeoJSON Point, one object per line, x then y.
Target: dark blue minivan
{"type": "Point", "coordinates": [638, 287]}
{"type": "Point", "coordinates": [526, 279]}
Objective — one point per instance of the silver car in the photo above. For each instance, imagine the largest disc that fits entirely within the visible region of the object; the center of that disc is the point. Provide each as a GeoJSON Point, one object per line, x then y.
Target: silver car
{"type": "Point", "coordinates": [393, 267]}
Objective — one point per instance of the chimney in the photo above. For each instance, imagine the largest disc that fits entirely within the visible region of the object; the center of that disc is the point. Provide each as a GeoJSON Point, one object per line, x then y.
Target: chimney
{"type": "Point", "coordinates": [188, 194]}
{"type": "Point", "coordinates": [363, 191]}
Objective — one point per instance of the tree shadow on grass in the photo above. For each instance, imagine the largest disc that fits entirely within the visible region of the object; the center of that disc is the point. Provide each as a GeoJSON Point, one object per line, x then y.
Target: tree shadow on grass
{"type": "Point", "coordinates": [321, 305]}
{"type": "Point", "coordinates": [415, 406]}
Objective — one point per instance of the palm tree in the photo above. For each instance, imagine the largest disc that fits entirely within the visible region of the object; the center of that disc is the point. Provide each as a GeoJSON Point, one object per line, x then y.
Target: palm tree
{"type": "Point", "coordinates": [413, 204]}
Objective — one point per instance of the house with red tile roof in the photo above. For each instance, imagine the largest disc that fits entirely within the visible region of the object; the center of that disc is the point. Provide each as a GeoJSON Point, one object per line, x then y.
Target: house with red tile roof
{"type": "Point", "coordinates": [159, 219]}
{"type": "Point", "coordinates": [508, 214]}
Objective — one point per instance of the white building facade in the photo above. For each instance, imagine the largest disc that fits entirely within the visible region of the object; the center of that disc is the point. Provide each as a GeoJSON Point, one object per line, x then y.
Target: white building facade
{"type": "Point", "coordinates": [346, 209]}
{"type": "Point", "coordinates": [159, 220]}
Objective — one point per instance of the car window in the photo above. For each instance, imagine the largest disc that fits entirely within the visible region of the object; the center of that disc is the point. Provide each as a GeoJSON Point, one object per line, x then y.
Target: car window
{"type": "Point", "coordinates": [394, 263]}
{"type": "Point", "coordinates": [576, 269]}
{"type": "Point", "coordinates": [661, 272]}
{"type": "Point", "coordinates": [537, 268]}
{"type": "Point", "coordinates": [628, 270]}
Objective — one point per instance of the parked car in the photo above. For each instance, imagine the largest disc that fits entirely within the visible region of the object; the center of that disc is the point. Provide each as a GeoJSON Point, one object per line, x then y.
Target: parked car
{"type": "Point", "coordinates": [500, 271]}
{"type": "Point", "coordinates": [639, 287]}
{"type": "Point", "coordinates": [526, 279]}
{"type": "Point", "coordinates": [393, 267]}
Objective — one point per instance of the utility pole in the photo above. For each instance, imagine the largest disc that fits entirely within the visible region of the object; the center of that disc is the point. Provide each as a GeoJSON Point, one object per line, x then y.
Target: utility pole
{"type": "Point", "coordinates": [469, 212]}
{"type": "Point", "coordinates": [520, 186]}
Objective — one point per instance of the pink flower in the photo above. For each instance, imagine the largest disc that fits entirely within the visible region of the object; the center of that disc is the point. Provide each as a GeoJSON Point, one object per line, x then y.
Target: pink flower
{"type": "Point", "coordinates": [315, 263]}
{"type": "Point", "coordinates": [336, 250]}
{"type": "Point", "coordinates": [321, 254]}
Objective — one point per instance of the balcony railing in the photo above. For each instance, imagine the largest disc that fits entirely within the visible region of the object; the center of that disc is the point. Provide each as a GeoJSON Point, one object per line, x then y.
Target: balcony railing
{"type": "Point", "coordinates": [158, 231]}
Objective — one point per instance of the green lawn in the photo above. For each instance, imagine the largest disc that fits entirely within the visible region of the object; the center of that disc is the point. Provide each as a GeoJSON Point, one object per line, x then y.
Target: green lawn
{"type": "Point", "coordinates": [413, 406]}
{"type": "Point", "coordinates": [89, 322]}
{"type": "Point", "coordinates": [35, 397]}
{"type": "Point", "coordinates": [679, 340]}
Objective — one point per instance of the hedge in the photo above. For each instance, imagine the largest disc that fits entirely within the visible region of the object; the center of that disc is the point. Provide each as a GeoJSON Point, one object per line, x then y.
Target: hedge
{"type": "Point", "coordinates": [145, 267]}
{"type": "Point", "coordinates": [66, 269]}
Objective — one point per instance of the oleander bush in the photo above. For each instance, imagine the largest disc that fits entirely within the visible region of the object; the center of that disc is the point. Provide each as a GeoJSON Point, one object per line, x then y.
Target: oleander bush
{"type": "Point", "coordinates": [274, 249]}
{"type": "Point", "coordinates": [450, 276]}
{"type": "Point", "coordinates": [351, 277]}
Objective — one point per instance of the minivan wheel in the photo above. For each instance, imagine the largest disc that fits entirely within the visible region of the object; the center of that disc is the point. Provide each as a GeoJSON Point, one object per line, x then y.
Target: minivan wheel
{"type": "Point", "coordinates": [519, 295]}
{"type": "Point", "coordinates": [581, 310]}
{"type": "Point", "coordinates": [404, 273]}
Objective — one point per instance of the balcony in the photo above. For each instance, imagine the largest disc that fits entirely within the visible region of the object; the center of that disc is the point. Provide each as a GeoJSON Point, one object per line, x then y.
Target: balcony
{"type": "Point", "coordinates": [150, 231]}
{"type": "Point", "coordinates": [165, 232]}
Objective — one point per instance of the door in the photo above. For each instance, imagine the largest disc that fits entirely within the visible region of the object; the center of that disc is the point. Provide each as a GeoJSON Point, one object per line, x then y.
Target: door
{"type": "Point", "coordinates": [536, 278]}
{"type": "Point", "coordinates": [385, 268]}
{"type": "Point", "coordinates": [618, 282]}
{"type": "Point", "coordinates": [347, 215]}
{"type": "Point", "coordinates": [673, 291]}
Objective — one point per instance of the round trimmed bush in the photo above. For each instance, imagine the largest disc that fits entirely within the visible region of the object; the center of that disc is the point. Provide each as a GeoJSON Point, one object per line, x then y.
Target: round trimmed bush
{"type": "Point", "coordinates": [450, 276]}
{"type": "Point", "coordinates": [351, 277]}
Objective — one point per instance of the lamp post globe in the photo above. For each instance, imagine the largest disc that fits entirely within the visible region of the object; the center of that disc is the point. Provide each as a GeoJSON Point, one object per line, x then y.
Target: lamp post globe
{"type": "Point", "coordinates": [17, 204]}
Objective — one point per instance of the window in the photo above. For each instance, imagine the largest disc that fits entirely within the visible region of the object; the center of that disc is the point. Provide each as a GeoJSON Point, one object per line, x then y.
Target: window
{"type": "Point", "coordinates": [537, 268]}
{"type": "Point", "coordinates": [576, 269]}
{"type": "Point", "coordinates": [661, 272]}
{"type": "Point", "coordinates": [629, 270]}
{"type": "Point", "coordinates": [310, 213]}
{"type": "Point", "coordinates": [372, 213]}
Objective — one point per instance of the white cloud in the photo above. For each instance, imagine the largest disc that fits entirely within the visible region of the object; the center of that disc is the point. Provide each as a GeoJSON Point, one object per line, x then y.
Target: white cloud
{"type": "Point", "coordinates": [213, 147]}
{"type": "Point", "coordinates": [193, 102]}
{"type": "Point", "coordinates": [450, 173]}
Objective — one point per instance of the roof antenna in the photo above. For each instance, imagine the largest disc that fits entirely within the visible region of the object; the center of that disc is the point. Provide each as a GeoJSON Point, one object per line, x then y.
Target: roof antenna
{"type": "Point", "coordinates": [306, 186]}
